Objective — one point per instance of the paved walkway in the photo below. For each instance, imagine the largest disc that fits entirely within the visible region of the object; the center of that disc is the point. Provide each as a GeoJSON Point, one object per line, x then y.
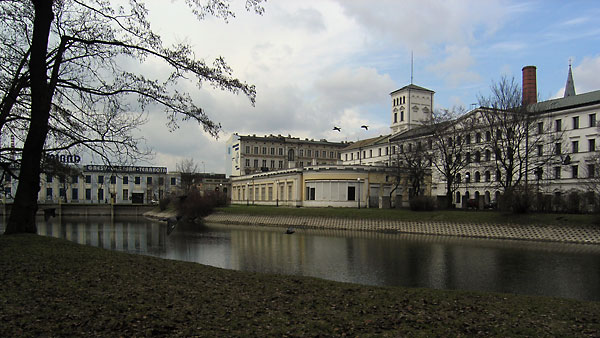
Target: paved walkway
{"type": "Point", "coordinates": [496, 231]}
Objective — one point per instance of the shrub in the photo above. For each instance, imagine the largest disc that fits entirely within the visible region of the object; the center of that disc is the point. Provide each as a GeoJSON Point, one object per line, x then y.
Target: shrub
{"type": "Point", "coordinates": [199, 204]}
{"type": "Point", "coordinates": [422, 203]}
{"type": "Point", "coordinates": [163, 203]}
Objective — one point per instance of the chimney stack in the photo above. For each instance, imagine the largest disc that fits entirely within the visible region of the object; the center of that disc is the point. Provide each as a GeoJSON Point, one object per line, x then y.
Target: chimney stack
{"type": "Point", "coordinates": [529, 85]}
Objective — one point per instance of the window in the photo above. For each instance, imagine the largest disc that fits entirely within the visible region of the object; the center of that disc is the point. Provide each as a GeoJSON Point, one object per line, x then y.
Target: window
{"type": "Point", "coordinates": [468, 178]}
{"type": "Point", "coordinates": [468, 157]}
{"type": "Point", "coordinates": [487, 176]}
{"type": "Point", "coordinates": [575, 146]}
{"type": "Point", "coordinates": [468, 139]}
{"type": "Point", "coordinates": [574, 171]}
{"type": "Point", "coordinates": [540, 149]}
{"type": "Point", "coordinates": [88, 194]}
{"type": "Point", "coordinates": [149, 180]}
{"type": "Point", "coordinates": [301, 153]}
{"type": "Point", "coordinates": [364, 154]}
{"type": "Point", "coordinates": [402, 115]}
{"type": "Point", "coordinates": [395, 117]}
{"type": "Point", "coordinates": [591, 170]}
{"type": "Point", "coordinates": [264, 150]}
{"type": "Point", "coordinates": [488, 155]}
{"type": "Point", "coordinates": [280, 164]}
{"type": "Point", "coordinates": [370, 152]}
{"type": "Point", "coordinates": [556, 172]}
{"type": "Point", "coordinates": [592, 144]}
{"type": "Point", "coordinates": [256, 150]}
{"type": "Point", "coordinates": [540, 127]}
{"type": "Point", "coordinates": [247, 149]}
{"type": "Point", "coordinates": [173, 180]}
{"type": "Point", "coordinates": [477, 157]}
{"type": "Point", "coordinates": [61, 179]}
{"type": "Point", "coordinates": [557, 150]}
{"type": "Point", "coordinates": [539, 173]}
{"type": "Point", "coordinates": [379, 151]}
{"type": "Point", "coordinates": [125, 179]}
{"type": "Point", "coordinates": [247, 162]}
{"type": "Point", "coordinates": [74, 194]}
{"type": "Point", "coordinates": [49, 178]}
{"type": "Point", "coordinates": [137, 180]}
{"type": "Point", "coordinates": [575, 122]}
{"type": "Point", "coordinates": [478, 137]}
{"type": "Point", "coordinates": [309, 153]}
{"type": "Point", "coordinates": [125, 194]}
{"type": "Point", "coordinates": [255, 163]}
{"type": "Point", "coordinates": [301, 164]}
{"type": "Point", "coordinates": [272, 164]}
{"type": "Point", "coordinates": [280, 152]}
{"type": "Point", "coordinates": [113, 179]}
{"type": "Point", "coordinates": [477, 177]}
{"type": "Point", "coordinates": [161, 181]}
{"type": "Point", "coordinates": [75, 179]}
{"type": "Point", "coordinates": [592, 120]}
{"type": "Point", "coordinates": [345, 157]}
{"type": "Point", "coordinates": [310, 193]}
{"type": "Point", "coordinates": [100, 194]}
{"type": "Point", "coordinates": [100, 179]}
{"type": "Point", "coordinates": [272, 151]}
{"type": "Point", "coordinates": [331, 154]}
{"type": "Point", "coordinates": [488, 136]}
{"type": "Point", "coordinates": [48, 193]}
{"type": "Point", "coordinates": [558, 125]}
{"type": "Point", "coordinates": [351, 193]}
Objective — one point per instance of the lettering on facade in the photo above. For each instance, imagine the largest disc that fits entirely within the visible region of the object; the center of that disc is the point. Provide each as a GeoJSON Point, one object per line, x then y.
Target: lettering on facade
{"type": "Point", "coordinates": [64, 158]}
{"type": "Point", "coordinates": [126, 169]}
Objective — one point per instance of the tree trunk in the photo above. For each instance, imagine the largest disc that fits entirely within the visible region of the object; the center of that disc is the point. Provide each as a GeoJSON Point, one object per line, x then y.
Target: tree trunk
{"type": "Point", "coordinates": [22, 216]}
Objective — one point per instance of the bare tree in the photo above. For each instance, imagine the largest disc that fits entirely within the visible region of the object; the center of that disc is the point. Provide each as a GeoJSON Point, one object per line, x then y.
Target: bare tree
{"type": "Point", "coordinates": [64, 87]}
{"type": "Point", "coordinates": [411, 160]}
{"type": "Point", "coordinates": [515, 137]}
{"type": "Point", "coordinates": [448, 147]}
{"type": "Point", "coordinates": [189, 170]}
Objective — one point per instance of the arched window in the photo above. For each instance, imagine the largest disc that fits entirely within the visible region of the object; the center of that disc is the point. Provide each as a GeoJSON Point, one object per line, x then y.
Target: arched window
{"type": "Point", "coordinates": [291, 155]}
{"type": "Point", "coordinates": [488, 155]}
{"type": "Point", "coordinates": [395, 117]}
{"type": "Point", "coordinates": [458, 197]}
{"type": "Point", "coordinates": [402, 115]}
{"type": "Point", "coordinates": [487, 176]}
{"type": "Point", "coordinates": [477, 177]}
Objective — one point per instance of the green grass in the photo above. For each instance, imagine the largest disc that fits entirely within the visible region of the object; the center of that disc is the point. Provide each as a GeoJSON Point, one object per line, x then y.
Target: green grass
{"type": "Point", "coordinates": [52, 287]}
{"type": "Point", "coordinates": [464, 216]}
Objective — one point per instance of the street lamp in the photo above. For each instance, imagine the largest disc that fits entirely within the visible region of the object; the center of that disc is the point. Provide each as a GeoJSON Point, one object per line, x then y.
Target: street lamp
{"type": "Point", "coordinates": [358, 197]}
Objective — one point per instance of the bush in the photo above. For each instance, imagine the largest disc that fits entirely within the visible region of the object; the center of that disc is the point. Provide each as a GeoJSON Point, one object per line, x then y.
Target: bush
{"type": "Point", "coordinates": [199, 204]}
{"type": "Point", "coordinates": [422, 203]}
{"type": "Point", "coordinates": [164, 203]}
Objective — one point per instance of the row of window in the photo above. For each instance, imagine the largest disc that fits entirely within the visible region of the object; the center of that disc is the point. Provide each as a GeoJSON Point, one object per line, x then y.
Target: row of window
{"type": "Point", "coordinates": [301, 152]}
{"type": "Point", "coordinates": [113, 179]}
{"type": "Point", "coordinates": [539, 173]}
{"type": "Point", "coordinates": [88, 194]}
{"type": "Point", "coordinates": [398, 101]}
{"type": "Point", "coordinates": [575, 123]}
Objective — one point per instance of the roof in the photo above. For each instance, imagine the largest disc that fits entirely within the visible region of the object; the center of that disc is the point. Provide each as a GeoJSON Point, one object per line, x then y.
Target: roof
{"type": "Point", "coordinates": [412, 86]}
{"type": "Point", "coordinates": [368, 142]}
{"type": "Point", "coordinates": [566, 102]}
{"type": "Point", "coordinates": [290, 139]}
{"type": "Point", "coordinates": [420, 131]}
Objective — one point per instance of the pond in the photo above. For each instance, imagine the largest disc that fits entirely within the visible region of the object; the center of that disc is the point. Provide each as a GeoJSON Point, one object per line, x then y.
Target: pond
{"type": "Point", "coordinates": [440, 262]}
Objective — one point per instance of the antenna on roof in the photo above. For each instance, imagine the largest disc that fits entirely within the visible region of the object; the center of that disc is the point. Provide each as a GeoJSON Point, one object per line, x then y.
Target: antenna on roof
{"type": "Point", "coordinates": [411, 67]}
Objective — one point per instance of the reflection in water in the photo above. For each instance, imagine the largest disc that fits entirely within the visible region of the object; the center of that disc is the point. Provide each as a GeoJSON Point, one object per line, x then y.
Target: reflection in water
{"type": "Point", "coordinates": [554, 269]}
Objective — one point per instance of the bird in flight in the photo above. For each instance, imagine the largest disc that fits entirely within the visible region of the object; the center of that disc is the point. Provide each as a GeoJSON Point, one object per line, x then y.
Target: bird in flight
{"type": "Point", "coordinates": [337, 128]}
{"type": "Point", "coordinates": [365, 126]}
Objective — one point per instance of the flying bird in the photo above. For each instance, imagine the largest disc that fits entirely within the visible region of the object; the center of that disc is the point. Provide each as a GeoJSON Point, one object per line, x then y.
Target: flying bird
{"type": "Point", "coordinates": [365, 126]}
{"type": "Point", "coordinates": [337, 128]}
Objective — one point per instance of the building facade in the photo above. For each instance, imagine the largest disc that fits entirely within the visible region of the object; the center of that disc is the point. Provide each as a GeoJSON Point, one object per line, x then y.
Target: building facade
{"type": "Point", "coordinates": [253, 154]}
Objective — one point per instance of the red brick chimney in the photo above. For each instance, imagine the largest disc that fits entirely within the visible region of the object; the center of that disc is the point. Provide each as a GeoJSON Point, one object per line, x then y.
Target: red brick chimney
{"type": "Point", "coordinates": [529, 85]}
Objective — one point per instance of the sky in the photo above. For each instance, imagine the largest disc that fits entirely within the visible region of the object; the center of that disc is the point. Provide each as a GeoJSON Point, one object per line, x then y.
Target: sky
{"type": "Point", "coordinates": [320, 63]}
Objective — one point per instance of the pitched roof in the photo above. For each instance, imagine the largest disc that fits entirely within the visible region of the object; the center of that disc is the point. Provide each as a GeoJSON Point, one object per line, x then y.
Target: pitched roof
{"type": "Point", "coordinates": [412, 86]}
{"type": "Point", "coordinates": [566, 102]}
{"type": "Point", "coordinates": [368, 142]}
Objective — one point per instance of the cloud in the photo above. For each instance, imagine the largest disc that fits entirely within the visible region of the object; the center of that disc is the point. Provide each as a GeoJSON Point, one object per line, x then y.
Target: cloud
{"type": "Point", "coordinates": [455, 68]}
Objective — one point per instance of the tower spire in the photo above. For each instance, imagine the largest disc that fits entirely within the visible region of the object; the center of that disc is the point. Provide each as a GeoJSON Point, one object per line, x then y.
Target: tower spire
{"type": "Point", "coordinates": [411, 67]}
{"type": "Point", "coordinates": [570, 86]}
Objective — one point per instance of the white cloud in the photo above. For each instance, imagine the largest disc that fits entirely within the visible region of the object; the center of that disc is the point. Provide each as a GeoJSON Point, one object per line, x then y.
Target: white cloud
{"type": "Point", "coordinates": [455, 68]}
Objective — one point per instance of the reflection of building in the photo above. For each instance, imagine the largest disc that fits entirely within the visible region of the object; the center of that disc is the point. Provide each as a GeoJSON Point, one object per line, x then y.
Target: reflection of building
{"type": "Point", "coordinates": [205, 182]}
{"type": "Point", "coordinates": [252, 154]}
{"type": "Point", "coordinates": [316, 186]}
{"type": "Point", "coordinates": [103, 184]}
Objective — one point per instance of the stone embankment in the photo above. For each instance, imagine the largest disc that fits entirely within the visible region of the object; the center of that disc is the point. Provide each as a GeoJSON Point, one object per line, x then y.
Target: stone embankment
{"type": "Point", "coordinates": [566, 234]}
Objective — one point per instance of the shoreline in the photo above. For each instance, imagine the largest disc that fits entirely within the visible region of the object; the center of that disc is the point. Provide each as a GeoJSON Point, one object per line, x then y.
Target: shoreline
{"type": "Point", "coordinates": [579, 235]}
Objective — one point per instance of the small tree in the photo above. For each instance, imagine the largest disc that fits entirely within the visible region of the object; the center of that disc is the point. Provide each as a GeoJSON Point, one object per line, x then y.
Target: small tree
{"type": "Point", "coordinates": [189, 170]}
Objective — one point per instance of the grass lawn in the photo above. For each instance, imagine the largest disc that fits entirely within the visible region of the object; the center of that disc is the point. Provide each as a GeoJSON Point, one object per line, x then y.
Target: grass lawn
{"type": "Point", "coordinates": [464, 216]}
{"type": "Point", "coordinates": [52, 287]}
